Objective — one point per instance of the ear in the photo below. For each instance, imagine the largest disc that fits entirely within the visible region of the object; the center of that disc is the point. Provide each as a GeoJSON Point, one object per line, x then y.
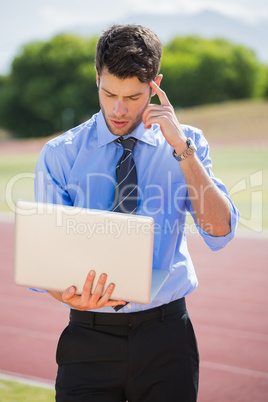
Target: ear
{"type": "Point", "coordinates": [157, 80]}
{"type": "Point", "coordinates": [97, 77]}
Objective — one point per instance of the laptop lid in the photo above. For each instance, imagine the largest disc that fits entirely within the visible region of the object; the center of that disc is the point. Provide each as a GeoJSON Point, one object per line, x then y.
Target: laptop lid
{"type": "Point", "coordinates": [56, 246]}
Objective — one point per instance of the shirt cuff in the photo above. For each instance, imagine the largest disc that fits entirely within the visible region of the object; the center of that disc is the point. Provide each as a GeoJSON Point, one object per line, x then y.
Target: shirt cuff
{"type": "Point", "coordinates": [39, 290]}
{"type": "Point", "coordinates": [218, 242]}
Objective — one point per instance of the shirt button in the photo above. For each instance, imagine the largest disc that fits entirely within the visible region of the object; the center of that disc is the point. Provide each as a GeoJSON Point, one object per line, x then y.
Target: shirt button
{"type": "Point", "coordinates": [129, 305]}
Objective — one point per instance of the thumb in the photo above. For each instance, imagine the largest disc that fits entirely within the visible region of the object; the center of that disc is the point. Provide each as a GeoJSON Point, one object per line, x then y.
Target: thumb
{"type": "Point", "coordinates": [68, 294]}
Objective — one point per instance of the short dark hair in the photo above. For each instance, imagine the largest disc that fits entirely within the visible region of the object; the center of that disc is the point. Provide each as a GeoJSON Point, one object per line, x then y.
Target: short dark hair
{"type": "Point", "coordinates": [129, 51]}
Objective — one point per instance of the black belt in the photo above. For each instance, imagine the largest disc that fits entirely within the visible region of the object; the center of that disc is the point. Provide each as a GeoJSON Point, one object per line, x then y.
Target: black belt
{"type": "Point", "coordinates": [92, 318]}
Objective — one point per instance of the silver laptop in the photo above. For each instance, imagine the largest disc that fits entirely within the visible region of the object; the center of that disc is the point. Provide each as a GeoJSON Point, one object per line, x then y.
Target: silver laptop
{"type": "Point", "coordinates": [56, 246]}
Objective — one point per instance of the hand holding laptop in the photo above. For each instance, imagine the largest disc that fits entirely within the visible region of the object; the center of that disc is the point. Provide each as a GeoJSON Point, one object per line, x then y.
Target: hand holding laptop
{"type": "Point", "coordinates": [88, 300]}
{"type": "Point", "coordinates": [55, 244]}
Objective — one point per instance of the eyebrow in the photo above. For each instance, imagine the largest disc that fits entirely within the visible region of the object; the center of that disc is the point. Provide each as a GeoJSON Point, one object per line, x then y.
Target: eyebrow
{"type": "Point", "coordinates": [127, 96]}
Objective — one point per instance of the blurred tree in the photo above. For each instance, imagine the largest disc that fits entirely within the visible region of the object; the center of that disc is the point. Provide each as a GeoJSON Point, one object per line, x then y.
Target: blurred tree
{"type": "Point", "coordinates": [198, 71]}
{"type": "Point", "coordinates": [262, 83]}
{"type": "Point", "coordinates": [52, 87]}
{"type": "Point", "coordinates": [265, 86]}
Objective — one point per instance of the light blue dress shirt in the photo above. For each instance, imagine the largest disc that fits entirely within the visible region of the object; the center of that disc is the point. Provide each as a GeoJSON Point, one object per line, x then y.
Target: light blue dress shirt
{"type": "Point", "coordinates": [78, 168]}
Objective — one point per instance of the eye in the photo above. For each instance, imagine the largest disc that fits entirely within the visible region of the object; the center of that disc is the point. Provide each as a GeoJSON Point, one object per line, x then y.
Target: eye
{"type": "Point", "coordinates": [134, 98]}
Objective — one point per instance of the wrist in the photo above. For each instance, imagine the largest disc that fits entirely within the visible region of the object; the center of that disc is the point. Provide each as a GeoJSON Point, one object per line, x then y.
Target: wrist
{"type": "Point", "coordinates": [188, 149]}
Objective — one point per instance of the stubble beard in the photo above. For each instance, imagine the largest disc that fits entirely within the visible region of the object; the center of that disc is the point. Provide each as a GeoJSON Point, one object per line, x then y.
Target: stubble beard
{"type": "Point", "coordinates": [127, 130]}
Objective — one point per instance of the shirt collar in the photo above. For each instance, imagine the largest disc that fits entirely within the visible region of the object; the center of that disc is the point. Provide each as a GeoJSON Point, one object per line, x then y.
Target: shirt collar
{"type": "Point", "coordinates": [105, 136]}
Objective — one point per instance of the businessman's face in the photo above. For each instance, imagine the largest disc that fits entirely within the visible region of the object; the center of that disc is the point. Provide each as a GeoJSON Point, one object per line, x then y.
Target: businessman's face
{"type": "Point", "coordinates": [122, 101]}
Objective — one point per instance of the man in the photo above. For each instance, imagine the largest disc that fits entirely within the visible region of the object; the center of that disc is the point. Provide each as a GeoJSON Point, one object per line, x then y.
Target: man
{"type": "Point", "coordinates": [119, 351]}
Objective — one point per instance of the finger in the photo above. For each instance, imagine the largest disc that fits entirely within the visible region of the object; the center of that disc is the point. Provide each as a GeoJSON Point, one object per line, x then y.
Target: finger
{"type": "Point", "coordinates": [87, 288]}
{"type": "Point", "coordinates": [113, 303]}
{"type": "Point", "coordinates": [163, 118]}
{"type": "Point", "coordinates": [107, 296]}
{"type": "Point", "coordinates": [86, 291]}
{"type": "Point", "coordinates": [158, 119]}
{"type": "Point", "coordinates": [106, 301]}
{"type": "Point", "coordinates": [69, 295]}
{"type": "Point", "coordinates": [160, 93]}
{"type": "Point", "coordinates": [154, 110]}
{"type": "Point", "coordinates": [98, 291]}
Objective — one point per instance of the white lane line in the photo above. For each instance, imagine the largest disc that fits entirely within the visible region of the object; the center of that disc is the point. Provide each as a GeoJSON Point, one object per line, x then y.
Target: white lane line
{"type": "Point", "coordinates": [27, 380]}
{"type": "Point", "coordinates": [234, 369]}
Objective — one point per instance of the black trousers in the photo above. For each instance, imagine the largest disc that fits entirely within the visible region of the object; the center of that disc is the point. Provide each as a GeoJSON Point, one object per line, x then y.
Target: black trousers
{"type": "Point", "coordinates": [148, 356]}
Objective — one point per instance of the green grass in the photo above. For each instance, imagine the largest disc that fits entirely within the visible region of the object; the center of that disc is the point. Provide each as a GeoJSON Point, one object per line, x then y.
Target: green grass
{"type": "Point", "coordinates": [16, 179]}
{"type": "Point", "coordinates": [244, 171]}
{"type": "Point", "coordinates": [11, 391]}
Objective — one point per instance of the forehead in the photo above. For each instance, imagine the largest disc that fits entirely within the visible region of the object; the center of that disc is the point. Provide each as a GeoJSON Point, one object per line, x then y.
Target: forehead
{"type": "Point", "coordinates": [124, 87]}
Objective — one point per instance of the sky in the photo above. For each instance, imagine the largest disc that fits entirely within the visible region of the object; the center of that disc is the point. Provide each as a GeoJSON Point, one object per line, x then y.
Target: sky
{"type": "Point", "coordinates": [23, 21]}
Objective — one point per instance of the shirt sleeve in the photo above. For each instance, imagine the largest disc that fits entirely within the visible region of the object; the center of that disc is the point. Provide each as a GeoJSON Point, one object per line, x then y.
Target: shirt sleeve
{"type": "Point", "coordinates": [50, 178]}
{"type": "Point", "coordinates": [214, 242]}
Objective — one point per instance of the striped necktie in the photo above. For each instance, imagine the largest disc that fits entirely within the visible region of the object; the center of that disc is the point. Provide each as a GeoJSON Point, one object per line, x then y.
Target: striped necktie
{"type": "Point", "coordinates": [125, 196]}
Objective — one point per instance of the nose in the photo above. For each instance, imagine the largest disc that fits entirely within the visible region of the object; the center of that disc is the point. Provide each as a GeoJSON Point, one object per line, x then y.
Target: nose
{"type": "Point", "coordinates": [120, 108]}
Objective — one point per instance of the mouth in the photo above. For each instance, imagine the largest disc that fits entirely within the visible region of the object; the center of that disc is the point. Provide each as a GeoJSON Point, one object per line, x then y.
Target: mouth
{"type": "Point", "coordinates": [119, 123]}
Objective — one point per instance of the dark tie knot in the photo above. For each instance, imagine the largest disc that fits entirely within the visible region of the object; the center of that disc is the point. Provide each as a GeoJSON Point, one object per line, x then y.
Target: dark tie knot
{"type": "Point", "coordinates": [128, 143]}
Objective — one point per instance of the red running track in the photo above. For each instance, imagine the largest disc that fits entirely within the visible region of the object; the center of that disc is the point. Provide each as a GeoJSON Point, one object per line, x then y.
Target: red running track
{"type": "Point", "coordinates": [228, 310]}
